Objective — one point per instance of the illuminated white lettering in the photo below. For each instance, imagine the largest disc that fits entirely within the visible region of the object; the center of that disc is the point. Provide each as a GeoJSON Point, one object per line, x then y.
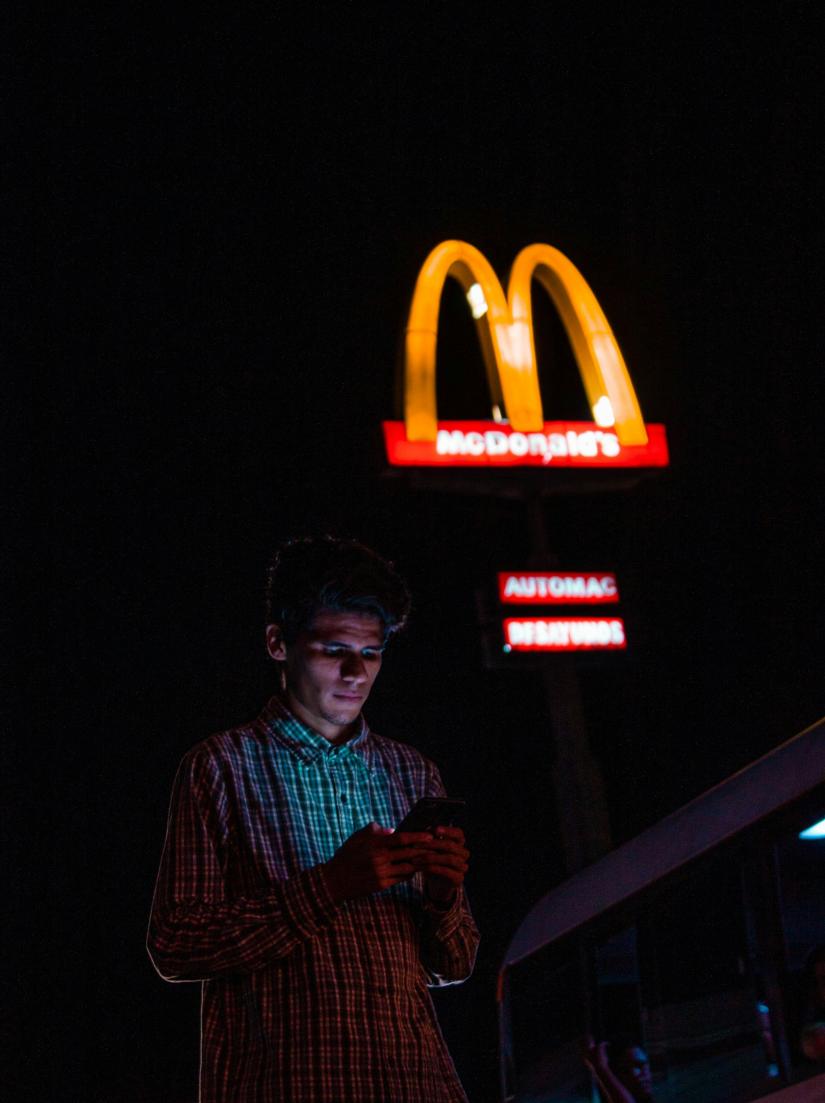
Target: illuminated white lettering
{"type": "Point", "coordinates": [587, 443]}
{"type": "Point", "coordinates": [608, 587]}
{"type": "Point", "coordinates": [562, 633]}
{"type": "Point", "coordinates": [518, 444]}
{"type": "Point", "coordinates": [558, 444]}
{"type": "Point", "coordinates": [449, 443]}
{"type": "Point", "coordinates": [572, 442]}
{"type": "Point", "coordinates": [610, 445]}
{"type": "Point", "coordinates": [474, 444]}
{"type": "Point", "coordinates": [537, 443]}
{"type": "Point", "coordinates": [496, 442]}
{"type": "Point", "coordinates": [512, 586]}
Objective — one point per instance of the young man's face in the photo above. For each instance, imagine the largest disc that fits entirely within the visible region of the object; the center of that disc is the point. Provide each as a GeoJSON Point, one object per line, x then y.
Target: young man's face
{"type": "Point", "coordinates": [330, 669]}
{"type": "Point", "coordinates": [633, 1070]}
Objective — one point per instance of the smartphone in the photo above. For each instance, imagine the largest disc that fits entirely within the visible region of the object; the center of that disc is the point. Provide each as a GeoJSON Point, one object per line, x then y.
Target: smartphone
{"type": "Point", "coordinates": [431, 812]}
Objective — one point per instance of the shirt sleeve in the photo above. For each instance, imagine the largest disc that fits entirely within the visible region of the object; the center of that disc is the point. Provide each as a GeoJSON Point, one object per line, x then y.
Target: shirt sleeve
{"type": "Point", "coordinates": [449, 936]}
{"type": "Point", "coordinates": [198, 929]}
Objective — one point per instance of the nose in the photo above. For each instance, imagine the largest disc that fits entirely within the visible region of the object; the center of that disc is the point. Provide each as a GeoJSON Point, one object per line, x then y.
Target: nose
{"type": "Point", "coordinates": [353, 669]}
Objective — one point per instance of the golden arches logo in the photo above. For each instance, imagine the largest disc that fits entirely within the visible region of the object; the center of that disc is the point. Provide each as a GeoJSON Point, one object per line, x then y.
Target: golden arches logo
{"type": "Point", "coordinates": [505, 328]}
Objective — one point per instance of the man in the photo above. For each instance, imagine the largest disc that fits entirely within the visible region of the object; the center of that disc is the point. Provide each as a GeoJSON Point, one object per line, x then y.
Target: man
{"type": "Point", "coordinates": [313, 926]}
{"type": "Point", "coordinates": [623, 1078]}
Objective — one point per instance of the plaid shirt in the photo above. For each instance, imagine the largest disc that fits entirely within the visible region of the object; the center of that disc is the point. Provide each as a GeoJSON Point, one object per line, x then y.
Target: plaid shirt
{"type": "Point", "coordinates": [304, 999]}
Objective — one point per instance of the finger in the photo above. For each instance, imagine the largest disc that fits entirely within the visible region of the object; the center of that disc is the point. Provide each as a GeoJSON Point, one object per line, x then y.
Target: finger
{"type": "Point", "coordinates": [410, 838]}
{"type": "Point", "coordinates": [434, 866]}
{"type": "Point", "coordinates": [448, 846]}
{"type": "Point", "coordinates": [453, 833]}
{"type": "Point", "coordinates": [440, 858]}
{"type": "Point", "coordinates": [455, 877]}
{"type": "Point", "coordinates": [390, 880]}
{"type": "Point", "coordinates": [407, 854]}
{"type": "Point", "coordinates": [399, 870]}
{"type": "Point", "coordinates": [443, 848]}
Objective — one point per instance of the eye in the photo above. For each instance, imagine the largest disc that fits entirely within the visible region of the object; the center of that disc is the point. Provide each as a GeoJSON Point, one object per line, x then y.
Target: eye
{"type": "Point", "coordinates": [333, 651]}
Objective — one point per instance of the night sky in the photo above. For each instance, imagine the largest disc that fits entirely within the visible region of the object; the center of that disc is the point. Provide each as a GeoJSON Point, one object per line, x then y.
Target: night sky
{"type": "Point", "coordinates": [238, 207]}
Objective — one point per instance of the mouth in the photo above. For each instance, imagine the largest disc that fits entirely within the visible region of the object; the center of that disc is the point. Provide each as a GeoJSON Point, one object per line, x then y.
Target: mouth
{"type": "Point", "coordinates": [352, 697]}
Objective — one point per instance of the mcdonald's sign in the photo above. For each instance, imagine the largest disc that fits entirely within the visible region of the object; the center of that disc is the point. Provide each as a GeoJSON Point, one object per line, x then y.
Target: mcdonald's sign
{"type": "Point", "coordinates": [518, 435]}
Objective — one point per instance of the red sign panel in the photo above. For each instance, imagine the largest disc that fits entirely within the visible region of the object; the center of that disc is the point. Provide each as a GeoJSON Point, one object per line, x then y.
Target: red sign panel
{"type": "Point", "coordinates": [557, 588]}
{"type": "Point", "coordinates": [564, 634]}
{"type": "Point", "coordinates": [494, 444]}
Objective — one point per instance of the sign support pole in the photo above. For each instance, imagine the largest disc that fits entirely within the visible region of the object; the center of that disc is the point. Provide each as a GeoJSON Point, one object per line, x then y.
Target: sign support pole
{"type": "Point", "coordinates": [577, 780]}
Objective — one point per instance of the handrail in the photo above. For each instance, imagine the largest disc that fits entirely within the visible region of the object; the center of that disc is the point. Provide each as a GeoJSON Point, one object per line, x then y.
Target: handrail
{"type": "Point", "coordinates": [756, 791]}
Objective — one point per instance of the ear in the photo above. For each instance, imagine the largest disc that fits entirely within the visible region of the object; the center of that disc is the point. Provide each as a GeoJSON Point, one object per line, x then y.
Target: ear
{"type": "Point", "coordinates": [275, 646]}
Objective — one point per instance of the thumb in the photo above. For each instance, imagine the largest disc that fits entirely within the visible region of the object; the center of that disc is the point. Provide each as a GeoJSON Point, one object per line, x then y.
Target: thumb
{"type": "Point", "coordinates": [376, 829]}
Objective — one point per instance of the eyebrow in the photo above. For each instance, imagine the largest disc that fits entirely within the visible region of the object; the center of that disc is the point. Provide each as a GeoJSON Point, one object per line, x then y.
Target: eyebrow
{"type": "Point", "coordinates": [353, 647]}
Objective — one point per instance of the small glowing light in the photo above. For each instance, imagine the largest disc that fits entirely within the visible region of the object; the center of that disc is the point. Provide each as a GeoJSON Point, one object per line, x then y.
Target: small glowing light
{"type": "Point", "coordinates": [497, 415]}
{"type": "Point", "coordinates": [478, 304]}
{"type": "Point", "coordinates": [507, 649]}
{"type": "Point", "coordinates": [815, 831]}
{"type": "Point", "coordinates": [603, 413]}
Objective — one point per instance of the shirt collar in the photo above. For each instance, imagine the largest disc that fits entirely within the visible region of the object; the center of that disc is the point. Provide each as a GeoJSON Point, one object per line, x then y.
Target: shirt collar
{"type": "Point", "coordinates": [307, 744]}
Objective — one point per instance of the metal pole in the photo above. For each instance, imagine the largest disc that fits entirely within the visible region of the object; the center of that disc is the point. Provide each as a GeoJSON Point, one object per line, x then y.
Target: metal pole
{"type": "Point", "coordinates": [577, 781]}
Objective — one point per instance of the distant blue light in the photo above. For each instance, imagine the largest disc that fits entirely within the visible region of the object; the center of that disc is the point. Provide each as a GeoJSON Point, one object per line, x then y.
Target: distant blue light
{"type": "Point", "coordinates": [507, 649]}
{"type": "Point", "coordinates": [815, 831]}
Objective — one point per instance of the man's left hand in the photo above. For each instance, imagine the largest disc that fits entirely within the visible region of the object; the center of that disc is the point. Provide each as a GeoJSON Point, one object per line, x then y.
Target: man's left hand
{"type": "Point", "coordinates": [444, 863]}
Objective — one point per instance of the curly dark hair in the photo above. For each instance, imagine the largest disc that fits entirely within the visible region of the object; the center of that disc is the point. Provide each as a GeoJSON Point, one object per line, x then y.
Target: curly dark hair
{"type": "Point", "coordinates": [314, 573]}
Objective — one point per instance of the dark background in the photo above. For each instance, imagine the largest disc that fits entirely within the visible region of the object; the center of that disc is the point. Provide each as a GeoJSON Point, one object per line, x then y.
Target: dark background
{"type": "Point", "coordinates": [238, 206]}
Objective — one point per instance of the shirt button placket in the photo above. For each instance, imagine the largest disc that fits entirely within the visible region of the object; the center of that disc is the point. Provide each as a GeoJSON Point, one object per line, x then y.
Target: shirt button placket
{"type": "Point", "coordinates": [340, 827]}
{"type": "Point", "coordinates": [344, 802]}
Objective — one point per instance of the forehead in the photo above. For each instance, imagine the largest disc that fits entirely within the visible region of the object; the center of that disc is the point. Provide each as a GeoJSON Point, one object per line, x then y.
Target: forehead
{"type": "Point", "coordinates": [361, 629]}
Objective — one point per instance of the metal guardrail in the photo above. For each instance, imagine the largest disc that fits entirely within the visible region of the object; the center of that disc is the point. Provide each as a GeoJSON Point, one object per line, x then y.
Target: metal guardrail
{"type": "Point", "coordinates": [759, 791]}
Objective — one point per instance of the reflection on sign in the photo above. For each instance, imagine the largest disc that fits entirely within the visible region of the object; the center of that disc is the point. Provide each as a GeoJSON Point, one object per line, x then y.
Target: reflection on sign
{"type": "Point", "coordinates": [564, 634]}
{"type": "Point", "coordinates": [557, 588]}
{"type": "Point", "coordinates": [492, 444]}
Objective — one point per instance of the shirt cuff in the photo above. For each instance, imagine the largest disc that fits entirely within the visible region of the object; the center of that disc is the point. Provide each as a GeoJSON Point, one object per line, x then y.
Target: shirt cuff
{"type": "Point", "coordinates": [443, 917]}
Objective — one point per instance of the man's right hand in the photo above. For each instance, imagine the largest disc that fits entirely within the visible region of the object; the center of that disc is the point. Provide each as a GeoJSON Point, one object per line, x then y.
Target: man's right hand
{"type": "Point", "coordinates": [373, 859]}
